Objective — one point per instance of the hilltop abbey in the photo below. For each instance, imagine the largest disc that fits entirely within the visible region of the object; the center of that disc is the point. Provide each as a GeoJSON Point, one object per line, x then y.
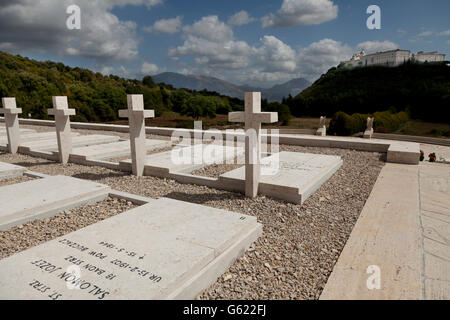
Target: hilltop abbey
{"type": "Point", "coordinates": [391, 58]}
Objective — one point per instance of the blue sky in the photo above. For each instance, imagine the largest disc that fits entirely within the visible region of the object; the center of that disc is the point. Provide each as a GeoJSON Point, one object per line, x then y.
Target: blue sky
{"type": "Point", "coordinates": [258, 42]}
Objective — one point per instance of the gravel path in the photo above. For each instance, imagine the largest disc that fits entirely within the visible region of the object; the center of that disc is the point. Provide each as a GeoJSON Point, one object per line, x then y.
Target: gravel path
{"type": "Point", "coordinates": [300, 244]}
{"type": "Point", "coordinates": [215, 170]}
{"type": "Point", "coordinates": [36, 232]}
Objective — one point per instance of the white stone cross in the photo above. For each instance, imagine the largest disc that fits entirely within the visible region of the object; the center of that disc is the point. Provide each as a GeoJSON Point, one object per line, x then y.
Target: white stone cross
{"type": "Point", "coordinates": [252, 117]}
{"type": "Point", "coordinates": [369, 131]}
{"type": "Point", "coordinates": [62, 113]}
{"type": "Point", "coordinates": [12, 123]}
{"type": "Point", "coordinates": [136, 115]}
{"type": "Point", "coordinates": [322, 131]}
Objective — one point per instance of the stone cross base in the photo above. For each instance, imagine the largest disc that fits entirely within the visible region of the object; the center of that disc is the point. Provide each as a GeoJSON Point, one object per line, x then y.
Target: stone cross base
{"type": "Point", "coordinates": [11, 113]}
{"type": "Point", "coordinates": [368, 134]}
{"type": "Point", "coordinates": [321, 131]}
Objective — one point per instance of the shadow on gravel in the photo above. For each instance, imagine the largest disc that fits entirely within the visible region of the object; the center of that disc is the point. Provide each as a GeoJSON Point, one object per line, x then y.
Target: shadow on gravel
{"type": "Point", "coordinates": [34, 164]}
{"type": "Point", "coordinates": [98, 176]}
{"type": "Point", "coordinates": [383, 157]}
{"type": "Point", "coordinates": [204, 197]}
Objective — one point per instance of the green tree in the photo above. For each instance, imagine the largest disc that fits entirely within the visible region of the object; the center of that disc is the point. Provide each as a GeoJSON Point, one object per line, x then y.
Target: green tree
{"type": "Point", "coordinates": [200, 106]}
{"type": "Point", "coordinates": [148, 81]}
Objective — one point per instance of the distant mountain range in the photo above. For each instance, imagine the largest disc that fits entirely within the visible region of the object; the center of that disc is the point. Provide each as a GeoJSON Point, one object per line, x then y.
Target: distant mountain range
{"type": "Point", "coordinates": [195, 82]}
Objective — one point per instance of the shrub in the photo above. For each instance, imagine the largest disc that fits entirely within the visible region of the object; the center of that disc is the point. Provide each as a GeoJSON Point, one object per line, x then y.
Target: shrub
{"type": "Point", "coordinates": [343, 124]}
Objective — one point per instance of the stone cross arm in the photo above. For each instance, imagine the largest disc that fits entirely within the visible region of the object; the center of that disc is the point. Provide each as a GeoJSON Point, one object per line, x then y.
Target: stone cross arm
{"type": "Point", "coordinates": [263, 117]}
{"type": "Point", "coordinates": [126, 113]}
{"type": "Point", "coordinates": [61, 112]}
{"type": "Point", "coordinates": [11, 110]}
{"type": "Point", "coordinates": [60, 107]}
{"type": "Point", "coordinates": [9, 106]}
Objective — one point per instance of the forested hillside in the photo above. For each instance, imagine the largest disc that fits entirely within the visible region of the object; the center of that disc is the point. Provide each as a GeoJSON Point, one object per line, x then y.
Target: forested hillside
{"type": "Point", "coordinates": [97, 98]}
{"type": "Point", "coordinates": [421, 89]}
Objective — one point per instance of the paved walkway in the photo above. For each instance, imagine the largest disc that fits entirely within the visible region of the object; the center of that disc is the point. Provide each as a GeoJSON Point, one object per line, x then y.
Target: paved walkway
{"type": "Point", "coordinates": [441, 151]}
{"type": "Point", "coordinates": [404, 232]}
{"type": "Point", "coordinates": [435, 220]}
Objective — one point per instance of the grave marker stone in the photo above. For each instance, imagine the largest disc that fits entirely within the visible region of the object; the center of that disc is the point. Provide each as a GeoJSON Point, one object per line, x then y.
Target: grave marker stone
{"type": "Point", "coordinates": [115, 149]}
{"type": "Point", "coordinates": [136, 116]}
{"type": "Point", "coordinates": [298, 177]}
{"type": "Point", "coordinates": [76, 141]}
{"type": "Point", "coordinates": [182, 159]}
{"type": "Point", "coordinates": [35, 136]}
{"type": "Point", "coordinates": [39, 198]}
{"type": "Point", "coordinates": [252, 117]}
{"type": "Point", "coordinates": [8, 171]}
{"type": "Point", "coordinates": [165, 249]}
{"type": "Point", "coordinates": [11, 113]}
{"type": "Point", "coordinates": [62, 113]}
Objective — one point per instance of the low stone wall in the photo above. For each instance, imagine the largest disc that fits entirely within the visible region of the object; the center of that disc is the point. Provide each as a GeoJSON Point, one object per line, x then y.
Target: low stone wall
{"type": "Point", "coordinates": [419, 139]}
{"type": "Point", "coordinates": [404, 152]}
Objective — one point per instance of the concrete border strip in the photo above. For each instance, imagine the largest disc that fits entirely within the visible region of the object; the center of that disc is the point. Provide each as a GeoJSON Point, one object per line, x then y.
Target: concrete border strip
{"type": "Point", "coordinates": [387, 235]}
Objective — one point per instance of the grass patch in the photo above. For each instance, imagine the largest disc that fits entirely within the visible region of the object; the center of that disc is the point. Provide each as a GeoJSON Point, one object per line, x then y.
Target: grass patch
{"type": "Point", "coordinates": [426, 129]}
{"type": "Point", "coordinates": [175, 120]}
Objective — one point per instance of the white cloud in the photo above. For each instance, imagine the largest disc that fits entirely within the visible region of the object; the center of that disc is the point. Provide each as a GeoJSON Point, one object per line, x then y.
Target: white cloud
{"type": "Point", "coordinates": [150, 69]}
{"type": "Point", "coordinates": [166, 26]}
{"type": "Point", "coordinates": [269, 62]}
{"type": "Point", "coordinates": [425, 34]}
{"type": "Point", "coordinates": [271, 59]}
{"type": "Point", "coordinates": [211, 43]}
{"type": "Point", "coordinates": [218, 51]}
{"type": "Point", "coordinates": [241, 18]}
{"type": "Point", "coordinates": [276, 56]}
{"type": "Point", "coordinates": [210, 28]}
{"type": "Point", "coordinates": [107, 70]}
{"type": "Point", "coordinates": [273, 62]}
{"type": "Point", "coordinates": [445, 33]}
{"type": "Point", "coordinates": [319, 56]}
{"type": "Point", "coordinates": [29, 25]}
{"type": "Point", "coordinates": [223, 55]}
{"type": "Point", "coordinates": [302, 12]}
{"type": "Point", "coordinates": [276, 62]}
{"type": "Point", "coordinates": [376, 46]}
